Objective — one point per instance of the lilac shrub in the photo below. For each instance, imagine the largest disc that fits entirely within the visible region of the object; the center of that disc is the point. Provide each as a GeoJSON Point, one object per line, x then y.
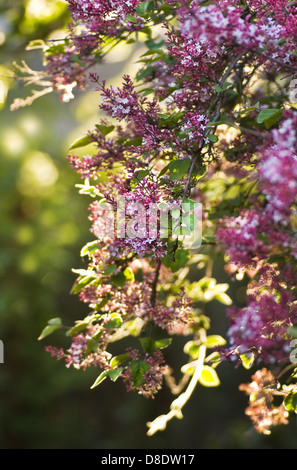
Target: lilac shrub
{"type": "Point", "coordinates": [206, 119]}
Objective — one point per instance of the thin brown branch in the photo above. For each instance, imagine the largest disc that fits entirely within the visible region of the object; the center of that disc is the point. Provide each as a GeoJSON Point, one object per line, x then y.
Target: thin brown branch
{"type": "Point", "coordinates": [154, 285]}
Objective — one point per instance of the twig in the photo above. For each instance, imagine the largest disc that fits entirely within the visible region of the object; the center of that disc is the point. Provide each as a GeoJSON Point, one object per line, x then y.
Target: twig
{"type": "Point", "coordinates": [154, 284]}
{"type": "Point", "coordinates": [160, 423]}
{"type": "Point", "coordinates": [278, 62]}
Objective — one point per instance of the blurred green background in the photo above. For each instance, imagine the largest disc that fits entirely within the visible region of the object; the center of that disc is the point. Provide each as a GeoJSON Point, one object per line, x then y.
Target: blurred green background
{"type": "Point", "coordinates": [44, 223]}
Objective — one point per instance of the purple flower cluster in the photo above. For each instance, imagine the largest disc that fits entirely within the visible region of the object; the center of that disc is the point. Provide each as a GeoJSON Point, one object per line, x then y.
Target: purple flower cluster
{"type": "Point", "coordinates": [262, 327]}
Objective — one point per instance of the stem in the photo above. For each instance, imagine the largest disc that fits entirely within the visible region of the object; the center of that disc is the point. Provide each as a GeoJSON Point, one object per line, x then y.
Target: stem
{"type": "Point", "coordinates": [276, 61]}
{"type": "Point", "coordinates": [154, 285]}
{"type": "Point", "coordinates": [174, 387]}
{"type": "Point", "coordinates": [209, 267]}
{"type": "Point", "coordinates": [159, 424]}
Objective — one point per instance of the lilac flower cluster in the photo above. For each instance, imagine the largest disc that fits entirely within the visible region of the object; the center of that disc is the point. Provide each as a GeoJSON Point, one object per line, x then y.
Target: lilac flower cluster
{"type": "Point", "coordinates": [278, 170]}
{"type": "Point", "coordinates": [262, 409]}
{"type": "Point", "coordinates": [152, 377]}
{"type": "Point", "coordinates": [262, 327]}
{"type": "Point", "coordinates": [78, 356]}
{"type": "Point", "coordinates": [223, 25]}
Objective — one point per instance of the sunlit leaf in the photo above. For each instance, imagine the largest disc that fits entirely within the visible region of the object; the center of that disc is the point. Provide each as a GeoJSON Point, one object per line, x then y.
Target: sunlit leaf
{"type": "Point", "coordinates": [209, 377]}
{"type": "Point", "coordinates": [82, 142]}
{"type": "Point", "coordinates": [213, 341]}
{"type": "Point", "coordinates": [290, 401]}
{"type": "Point", "coordinates": [53, 325]}
{"type": "Point", "coordinates": [247, 360]}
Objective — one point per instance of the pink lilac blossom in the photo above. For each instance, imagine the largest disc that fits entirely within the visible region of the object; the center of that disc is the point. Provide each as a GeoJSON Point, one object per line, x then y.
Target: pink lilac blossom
{"type": "Point", "coordinates": [265, 229]}
{"type": "Point", "coordinates": [66, 73]}
{"type": "Point", "coordinates": [76, 355]}
{"type": "Point", "coordinates": [194, 126]}
{"type": "Point", "coordinates": [152, 376]}
{"type": "Point", "coordinates": [250, 238]}
{"type": "Point", "coordinates": [226, 23]}
{"type": "Point", "coordinates": [239, 236]}
{"type": "Point", "coordinates": [84, 9]}
{"type": "Point", "coordinates": [262, 409]}
{"type": "Point", "coordinates": [104, 17]}
{"type": "Point", "coordinates": [262, 327]}
{"type": "Point", "coordinates": [192, 55]}
{"type": "Point", "coordinates": [175, 318]}
{"type": "Point", "coordinates": [135, 217]}
{"type": "Point", "coordinates": [134, 300]}
{"type": "Point", "coordinates": [278, 169]}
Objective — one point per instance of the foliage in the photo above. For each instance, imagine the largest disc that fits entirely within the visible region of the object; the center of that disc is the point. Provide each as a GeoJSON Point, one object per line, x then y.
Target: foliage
{"type": "Point", "coordinates": [208, 119]}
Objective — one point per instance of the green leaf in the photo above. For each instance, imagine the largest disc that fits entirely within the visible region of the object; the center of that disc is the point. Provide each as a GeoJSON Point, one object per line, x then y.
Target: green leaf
{"type": "Point", "coordinates": [212, 341]}
{"type": "Point", "coordinates": [153, 45]}
{"type": "Point", "coordinates": [55, 49]}
{"type": "Point", "coordinates": [92, 345]}
{"type": "Point", "coordinates": [163, 343]}
{"type": "Point", "coordinates": [188, 369]}
{"type": "Point", "coordinates": [145, 72]}
{"type": "Point", "coordinates": [293, 331]}
{"type": "Point", "coordinates": [110, 269]}
{"type": "Point", "coordinates": [147, 91]}
{"type": "Point", "coordinates": [79, 326]}
{"type": "Point", "coordinates": [269, 117]}
{"type": "Point", "coordinates": [175, 213]}
{"type": "Point", "coordinates": [213, 138]}
{"type": "Point", "coordinates": [180, 259]}
{"type": "Point", "coordinates": [134, 142]}
{"type": "Point", "coordinates": [82, 283]}
{"type": "Point", "coordinates": [100, 378]}
{"type": "Point", "coordinates": [53, 325]}
{"type": "Point", "coordinates": [225, 87]}
{"type": "Point", "coordinates": [105, 130]}
{"type": "Point", "coordinates": [223, 298]}
{"type": "Point", "coordinates": [142, 174]}
{"type": "Point", "coordinates": [85, 278]}
{"type": "Point", "coordinates": [131, 18]}
{"type": "Point", "coordinates": [177, 168]}
{"type": "Point", "coordinates": [89, 248]}
{"type": "Point", "coordinates": [116, 360]}
{"type": "Point", "coordinates": [114, 374]}
{"type": "Point", "coordinates": [36, 44]}
{"type": "Point", "coordinates": [118, 279]}
{"type": "Point", "coordinates": [138, 369]}
{"type": "Point", "coordinates": [129, 275]}
{"type": "Point", "coordinates": [192, 204]}
{"type": "Point", "coordinates": [209, 377]}
{"type": "Point", "coordinates": [148, 344]}
{"type": "Point", "coordinates": [114, 322]}
{"type": "Point", "coordinates": [192, 348]}
{"type": "Point", "coordinates": [48, 330]}
{"type": "Point", "coordinates": [76, 59]}
{"type": "Point", "coordinates": [55, 321]}
{"type": "Point", "coordinates": [247, 360]}
{"type": "Point", "coordinates": [143, 8]}
{"type": "Point", "coordinates": [82, 142]}
{"type": "Point", "coordinates": [290, 402]}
